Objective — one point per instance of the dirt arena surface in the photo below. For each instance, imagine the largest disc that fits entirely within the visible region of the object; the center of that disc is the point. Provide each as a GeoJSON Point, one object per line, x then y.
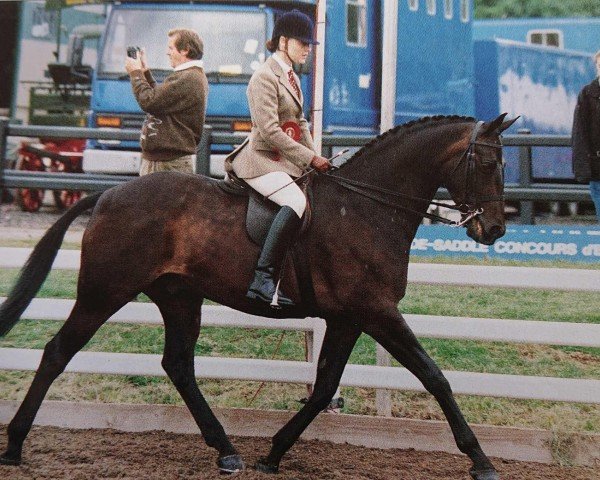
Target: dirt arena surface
{"type": "Point", "coordinates": [55, 453]}
{"type": "Point", "coordinates": [12, 217]}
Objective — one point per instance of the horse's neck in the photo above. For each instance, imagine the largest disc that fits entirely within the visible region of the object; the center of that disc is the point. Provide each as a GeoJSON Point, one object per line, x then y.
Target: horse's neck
{"type": "Point", "coordinates": [411, 169]}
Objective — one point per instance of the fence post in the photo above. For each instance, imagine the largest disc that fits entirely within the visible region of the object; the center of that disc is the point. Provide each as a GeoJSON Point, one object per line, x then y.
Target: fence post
{"type": "Point", "coordinates": [3, 144]}
{"type": "Point", "coordinates": [326, 148]}
{"type": "Point", "coordinates": [383, 398]}
{"type": "Point", "coordinates": [203, 152]}
{"type": "Point", "coordinates": [527, 214]}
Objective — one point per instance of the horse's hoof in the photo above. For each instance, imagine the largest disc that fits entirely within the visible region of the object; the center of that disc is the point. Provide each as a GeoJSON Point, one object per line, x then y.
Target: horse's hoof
{"type": "Point", "coordinates": [264, 467]}
{"type": "Point", "coordinates": [487, 474]}
{"type": "Point", "coordinates": [231, 464]}
{"type": "Point", "coordinates": [8, 460]}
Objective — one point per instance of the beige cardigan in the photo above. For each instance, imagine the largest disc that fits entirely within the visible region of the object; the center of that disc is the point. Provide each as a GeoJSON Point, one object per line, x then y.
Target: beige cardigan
{"type": "Point", "coordinates": [272, 102]}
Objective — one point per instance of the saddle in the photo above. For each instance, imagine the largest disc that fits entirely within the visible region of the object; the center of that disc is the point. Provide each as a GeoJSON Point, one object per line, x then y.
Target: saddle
{"type": "Point", "coordinates": [261, 211]}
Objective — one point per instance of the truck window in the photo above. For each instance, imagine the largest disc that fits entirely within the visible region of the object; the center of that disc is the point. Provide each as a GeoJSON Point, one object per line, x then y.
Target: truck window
{"type": "Point", "coordinates": [550, 38]}
{"type": "Point", "coordinates": [465, 10]}
{"type": "Point", "coordinates": [233, 41]}
{"type": "Point", "coordinates": [431, 7]}
{"type": "Point", "coordinates": [356, 23]}
{"type": "Point", "coordinates": [43, 22]}
{"type": "Point", "coordinates": [448, 9]}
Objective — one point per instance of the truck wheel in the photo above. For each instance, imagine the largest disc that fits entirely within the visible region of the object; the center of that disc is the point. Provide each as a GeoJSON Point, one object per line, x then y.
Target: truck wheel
{"type": "Point", "coordinates": [70, 151]}
{"type": "Point", "coordinates": [30, 199]}
{"type": "Point", "coordinates": [65, 198]}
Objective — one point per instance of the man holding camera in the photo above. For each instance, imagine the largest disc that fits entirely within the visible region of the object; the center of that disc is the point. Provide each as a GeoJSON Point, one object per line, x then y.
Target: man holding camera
{"type": "Point", "coordinates": [175, 110]}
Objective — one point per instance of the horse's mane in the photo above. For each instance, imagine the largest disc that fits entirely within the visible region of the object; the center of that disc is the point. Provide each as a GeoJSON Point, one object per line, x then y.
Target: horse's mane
{"type": "Point", "coordinates": [403, 130]}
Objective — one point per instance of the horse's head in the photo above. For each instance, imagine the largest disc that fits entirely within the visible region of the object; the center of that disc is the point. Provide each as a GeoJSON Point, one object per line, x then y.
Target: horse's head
{"type": "Point", "coordinates": [477, 181]}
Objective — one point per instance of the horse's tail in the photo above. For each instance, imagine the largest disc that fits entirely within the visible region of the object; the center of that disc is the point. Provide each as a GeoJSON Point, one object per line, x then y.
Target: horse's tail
{"type": "Point", "coordinates": [36, 269]}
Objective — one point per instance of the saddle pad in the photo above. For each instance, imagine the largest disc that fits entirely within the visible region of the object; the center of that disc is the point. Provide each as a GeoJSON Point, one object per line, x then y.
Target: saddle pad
{"type": "Point", "coordinates": [261, 211]}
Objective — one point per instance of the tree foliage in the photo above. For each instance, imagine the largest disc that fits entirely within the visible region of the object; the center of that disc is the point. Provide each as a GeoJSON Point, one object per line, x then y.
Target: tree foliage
{"type": "Point", "coordinates": [536, 8]}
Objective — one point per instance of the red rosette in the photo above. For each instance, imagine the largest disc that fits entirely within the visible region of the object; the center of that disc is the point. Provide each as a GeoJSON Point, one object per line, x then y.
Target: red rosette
{"type": "Point", "coordinates": [292, 130]}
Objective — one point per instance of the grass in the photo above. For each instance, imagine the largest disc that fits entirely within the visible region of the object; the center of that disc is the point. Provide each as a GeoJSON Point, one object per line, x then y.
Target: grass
{"type": "Point", "coordinates": [492, 357]}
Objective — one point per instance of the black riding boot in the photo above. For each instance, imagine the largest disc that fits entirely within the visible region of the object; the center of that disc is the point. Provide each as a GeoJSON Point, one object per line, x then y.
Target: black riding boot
{"type": "Point", "coordinates": [281, 234]}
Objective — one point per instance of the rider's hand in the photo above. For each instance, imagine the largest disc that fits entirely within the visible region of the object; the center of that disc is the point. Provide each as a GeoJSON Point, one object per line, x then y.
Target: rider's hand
{"type": "Point", "coordinates": [320, 163]}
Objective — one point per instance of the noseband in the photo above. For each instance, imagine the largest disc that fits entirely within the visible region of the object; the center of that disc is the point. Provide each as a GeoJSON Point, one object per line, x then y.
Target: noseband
{"type": "Point", "coordinates": [469, 207]}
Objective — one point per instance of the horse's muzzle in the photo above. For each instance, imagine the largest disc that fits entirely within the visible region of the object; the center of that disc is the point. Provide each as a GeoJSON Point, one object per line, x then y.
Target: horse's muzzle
{"type": "Point", "coordinates": [485, 232]}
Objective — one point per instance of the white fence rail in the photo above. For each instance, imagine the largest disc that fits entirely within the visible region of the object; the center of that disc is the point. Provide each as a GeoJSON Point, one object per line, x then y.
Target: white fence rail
{"type": "Point", "coordinates": [429, 273]}
{"type": "Point", "coordinates": [367, 376]}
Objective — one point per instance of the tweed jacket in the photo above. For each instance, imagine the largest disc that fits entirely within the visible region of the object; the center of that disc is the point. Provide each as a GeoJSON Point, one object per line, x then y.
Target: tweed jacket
{"type": "Point", "coordinates": [586, 134]}
{"type": "Point", "coordinates": [273, 102]}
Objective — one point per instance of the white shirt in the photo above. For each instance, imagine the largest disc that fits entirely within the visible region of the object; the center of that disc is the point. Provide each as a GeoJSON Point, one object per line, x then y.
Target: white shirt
{"type": "Point", "coordinates": [285, 67]}
{"type": "Point", "coordinates": [190, 64]}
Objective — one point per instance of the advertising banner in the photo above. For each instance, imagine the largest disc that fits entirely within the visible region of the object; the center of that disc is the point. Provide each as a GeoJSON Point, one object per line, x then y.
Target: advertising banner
{"type": "Point", "coordinates": [521, 242]}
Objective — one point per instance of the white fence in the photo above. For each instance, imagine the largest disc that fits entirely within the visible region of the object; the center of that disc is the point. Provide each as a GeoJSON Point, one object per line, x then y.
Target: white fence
{"type": "Point", "coordinates": [380, 377]}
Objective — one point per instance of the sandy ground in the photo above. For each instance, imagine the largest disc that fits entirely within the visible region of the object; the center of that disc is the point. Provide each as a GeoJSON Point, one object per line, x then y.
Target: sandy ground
{"type": "Point", "coordinates": [54, 453]}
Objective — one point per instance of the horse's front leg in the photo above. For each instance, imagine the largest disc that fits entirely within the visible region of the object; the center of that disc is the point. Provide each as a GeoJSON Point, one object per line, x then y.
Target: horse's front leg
{"type": "Point", "coordinates": [393, 333]}
{"type": "Point", "coordinates": [340, 338]}
{"type": "Point", "coordinates": [182, 327]}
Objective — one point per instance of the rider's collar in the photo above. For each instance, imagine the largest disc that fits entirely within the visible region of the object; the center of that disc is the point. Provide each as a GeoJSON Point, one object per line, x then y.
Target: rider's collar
{"type": "Point", "coordinates": [284, 66]}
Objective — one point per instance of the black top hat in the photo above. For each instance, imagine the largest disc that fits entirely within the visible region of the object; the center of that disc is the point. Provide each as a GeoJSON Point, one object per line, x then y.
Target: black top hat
{"type": "Point", "coordinates": [295, 24]}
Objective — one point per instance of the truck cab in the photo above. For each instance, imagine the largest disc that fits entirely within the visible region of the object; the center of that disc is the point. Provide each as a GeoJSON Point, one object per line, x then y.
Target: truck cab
{"type": "Point", "coordinates": [234, 37]}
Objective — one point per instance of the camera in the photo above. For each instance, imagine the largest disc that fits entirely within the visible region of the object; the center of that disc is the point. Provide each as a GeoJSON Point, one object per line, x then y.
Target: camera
{"type": "Point", "coordinates": [132, 51]}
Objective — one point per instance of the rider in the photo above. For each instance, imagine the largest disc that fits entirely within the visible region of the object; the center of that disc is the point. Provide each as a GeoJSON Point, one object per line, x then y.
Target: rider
{"type": "Point", "coordinates": [279, 148]}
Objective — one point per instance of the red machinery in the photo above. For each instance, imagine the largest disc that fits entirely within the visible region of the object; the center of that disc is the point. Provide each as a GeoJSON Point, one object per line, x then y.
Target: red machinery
{"type": "Point", "coordinates": [50, 155]}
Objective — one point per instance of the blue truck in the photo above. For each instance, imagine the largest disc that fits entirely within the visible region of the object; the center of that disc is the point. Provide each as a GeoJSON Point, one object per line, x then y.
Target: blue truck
{"type": "Point", "coordinates": [440, 70]}
{"type": "Point", "coordinates": [581, 34]}
{"type": "Point", "coordinates": [535, 67]}
{"type": "Point", "coordinates": [541, 85]}
{"type": "Point", "coordinates": [434, 59]}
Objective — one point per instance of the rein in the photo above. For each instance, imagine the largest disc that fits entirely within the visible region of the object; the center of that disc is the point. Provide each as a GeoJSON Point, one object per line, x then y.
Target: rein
{"type": "Point", "coordinates": [468, 208]}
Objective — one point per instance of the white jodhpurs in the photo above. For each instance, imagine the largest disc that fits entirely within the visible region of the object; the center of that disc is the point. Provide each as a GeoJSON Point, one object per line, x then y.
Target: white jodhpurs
{"type": "Point", "coordinates": [291, 195]}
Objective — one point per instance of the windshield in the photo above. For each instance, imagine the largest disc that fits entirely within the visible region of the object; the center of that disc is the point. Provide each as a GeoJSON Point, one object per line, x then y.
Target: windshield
{"type": "Point", "coordinates": [233, 41]}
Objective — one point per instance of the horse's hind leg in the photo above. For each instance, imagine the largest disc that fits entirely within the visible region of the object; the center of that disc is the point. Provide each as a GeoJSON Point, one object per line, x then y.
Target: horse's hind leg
{"type": "Point", "coordinates": [81, 325]}
{"type": "Point", "coordinates": [392, 332]}
{"type": "Point", "coordinates": [182, 327]}
{"type": "Point", "coordinates": [339, 340]}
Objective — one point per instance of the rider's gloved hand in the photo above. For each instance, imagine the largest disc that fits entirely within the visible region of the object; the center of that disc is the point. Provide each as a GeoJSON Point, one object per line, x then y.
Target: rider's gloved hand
{"type": "Point", "coordinates": [320, 163]}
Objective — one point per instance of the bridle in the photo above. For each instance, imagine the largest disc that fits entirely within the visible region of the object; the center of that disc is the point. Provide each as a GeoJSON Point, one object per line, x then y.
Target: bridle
{"type": "Point", "coordinates": [469, 207]}
{"type": "Point", "coordinates": [471, 196]}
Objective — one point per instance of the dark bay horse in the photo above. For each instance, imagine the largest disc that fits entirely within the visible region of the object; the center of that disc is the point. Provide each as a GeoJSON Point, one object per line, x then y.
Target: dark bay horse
{"type": "Point", "coordinates": [180, 239]}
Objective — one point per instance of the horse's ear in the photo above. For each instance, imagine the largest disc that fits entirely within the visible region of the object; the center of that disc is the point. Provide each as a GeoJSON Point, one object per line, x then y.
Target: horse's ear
{"type": "Point", "coordinates": [508, 123]}
{"type": "Point", "coordinates": [498, 124]}
{"type": "Point", "coordinates": [489, 127]}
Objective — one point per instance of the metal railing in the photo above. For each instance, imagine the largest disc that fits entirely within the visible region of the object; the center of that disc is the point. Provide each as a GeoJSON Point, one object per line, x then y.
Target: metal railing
{"type": "Point", "coordinates": [525, 192]}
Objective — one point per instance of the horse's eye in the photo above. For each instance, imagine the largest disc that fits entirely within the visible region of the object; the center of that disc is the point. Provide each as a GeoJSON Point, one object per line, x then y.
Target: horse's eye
{"type": "Point", "coordinates": [488, 165]}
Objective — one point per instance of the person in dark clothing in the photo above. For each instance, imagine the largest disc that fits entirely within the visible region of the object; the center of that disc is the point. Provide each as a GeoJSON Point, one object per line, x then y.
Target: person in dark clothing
{"type": "Point", "coordinates": [586, 137]}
